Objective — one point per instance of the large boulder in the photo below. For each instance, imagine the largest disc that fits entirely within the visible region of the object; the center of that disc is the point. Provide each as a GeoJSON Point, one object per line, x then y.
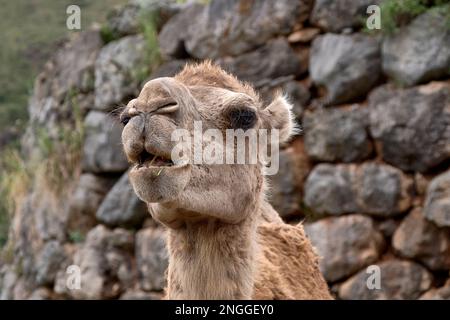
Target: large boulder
{"type": "Point", "coordinates": [412, 125]}
{"type": "Point", "coordinates": [102, 150]}
{"type": "Point", "coordinates": [336, 15]}
{"type": "Point", "coordinates": [152, 258]}
{"type": "Point", "coordinates": [120, 67]}
{"type": "Point", "coordinates": [345, 244]}
{"type": "Point", "coordinates": [121, 207]}
{"type": "Point", "coordinates": [348, 66]}
{"type": "Point", "coordinates": [417, 238]}
{"type": "Point", "coordinates": [273, 60]}
{"type": "Point", "coordinates": [337, 135]}
{"type": "Point", "coordinates": [230, 27]}
{"type": "Point", "coordinates": [419, 52]}
{"type": "Point", "coordinates": [375, 189]}
{"type": "Point", "coordinates": [398, 280]}
{"type": "Point", "coordinates": [437, 201]}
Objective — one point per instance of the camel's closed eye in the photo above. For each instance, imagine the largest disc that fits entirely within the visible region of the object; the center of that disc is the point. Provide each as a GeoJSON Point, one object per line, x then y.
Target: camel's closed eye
{"type": "Point", "coordinates": [168, 108]}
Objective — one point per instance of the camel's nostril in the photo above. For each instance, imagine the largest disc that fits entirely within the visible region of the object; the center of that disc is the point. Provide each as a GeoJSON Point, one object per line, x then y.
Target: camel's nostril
{"type": "Point", "coordinates": [125, 119]}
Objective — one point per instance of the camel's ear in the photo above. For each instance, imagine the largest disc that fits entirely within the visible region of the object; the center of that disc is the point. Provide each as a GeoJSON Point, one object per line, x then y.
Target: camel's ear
{"type": "Point", "coordinates": [278, 115]}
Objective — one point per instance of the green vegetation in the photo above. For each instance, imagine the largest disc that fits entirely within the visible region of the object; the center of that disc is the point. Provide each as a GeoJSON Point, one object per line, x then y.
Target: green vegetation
{"type": "Point", "coordinates": [31, 30]}
{"type": "Point", "coordinates": [396, 13]}
{"type": "Point", "coordinates": [76, 236]}
{"type": "Point", "coordinates": [56, 162]}
{"type": "Point", "coordinates": [148, 25]}
{"type": "Point", "coordinates": [30, 33]}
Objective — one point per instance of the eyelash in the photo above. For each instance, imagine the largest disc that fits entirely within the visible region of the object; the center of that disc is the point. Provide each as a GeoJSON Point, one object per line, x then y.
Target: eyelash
{"type": "Point", "coordinates": [169, 108]}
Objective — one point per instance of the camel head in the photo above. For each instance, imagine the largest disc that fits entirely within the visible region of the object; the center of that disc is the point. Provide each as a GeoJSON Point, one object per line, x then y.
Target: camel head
{"type": "Point", "coordinates": [205, 96]}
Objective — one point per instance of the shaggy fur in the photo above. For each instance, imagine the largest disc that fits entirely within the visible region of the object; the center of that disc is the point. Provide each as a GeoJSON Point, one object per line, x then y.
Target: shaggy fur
{"type": "Point", "coordinates": [225, 239]}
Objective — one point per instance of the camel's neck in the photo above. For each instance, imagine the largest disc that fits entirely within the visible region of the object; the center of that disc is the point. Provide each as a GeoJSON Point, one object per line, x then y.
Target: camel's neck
{"type": "Point", "coordinates": [212, 260]}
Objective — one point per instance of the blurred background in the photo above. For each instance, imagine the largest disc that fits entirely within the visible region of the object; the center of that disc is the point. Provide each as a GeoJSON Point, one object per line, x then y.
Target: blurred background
{"type": "Point", "coordinates": [369, 175]}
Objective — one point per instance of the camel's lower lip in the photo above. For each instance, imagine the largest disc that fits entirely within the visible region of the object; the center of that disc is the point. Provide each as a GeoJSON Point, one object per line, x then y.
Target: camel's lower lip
{"type": "Point", "coordinates": [145, 167]}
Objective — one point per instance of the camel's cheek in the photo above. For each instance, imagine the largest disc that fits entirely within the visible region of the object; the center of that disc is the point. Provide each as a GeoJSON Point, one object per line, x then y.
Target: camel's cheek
{"type": "Point", "coordinates": [159, 184]}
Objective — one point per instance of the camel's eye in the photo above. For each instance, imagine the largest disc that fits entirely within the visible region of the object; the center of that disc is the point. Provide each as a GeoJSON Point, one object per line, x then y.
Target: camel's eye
{"type": "Point", "coordinates": [124, 119]}
{"type": "Point", "coordinates": [242, 118]}
{"type": "Point", "coordinates": [168, 108]}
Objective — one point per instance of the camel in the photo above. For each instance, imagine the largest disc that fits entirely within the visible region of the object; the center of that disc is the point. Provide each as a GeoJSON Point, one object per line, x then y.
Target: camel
{"type": "Point", "coordinates": [225, 241]}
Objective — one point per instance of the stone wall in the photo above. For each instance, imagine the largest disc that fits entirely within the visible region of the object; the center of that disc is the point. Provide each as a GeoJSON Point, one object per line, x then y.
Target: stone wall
{"type": "Point", "coordinates": [369, 175]}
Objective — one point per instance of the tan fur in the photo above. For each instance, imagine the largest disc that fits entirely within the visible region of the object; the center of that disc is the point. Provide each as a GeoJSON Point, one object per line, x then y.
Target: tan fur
{"type": "Point", "coordinates": [225, 240]}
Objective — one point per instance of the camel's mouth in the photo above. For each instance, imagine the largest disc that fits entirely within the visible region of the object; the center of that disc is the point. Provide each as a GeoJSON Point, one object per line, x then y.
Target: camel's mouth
{"type": "Point", "coordinates": [148, 160]}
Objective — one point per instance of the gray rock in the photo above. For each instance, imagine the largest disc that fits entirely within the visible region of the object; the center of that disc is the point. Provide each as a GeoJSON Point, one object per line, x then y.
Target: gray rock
{"type": "Point", "coordinates": [38, 223]}
{"type": "Point", "coordinates": [125, 20]}
{"type": "Point", "coordinates": [337, 135]}
{"type": "Point", "coordinates": [8, 279]}
{"type": "Point", "coordinates": [348, 66]}
{"type": "Point", "coordinates": [273, 60]}
{"type": "Point", "coordinates": [119, 69]}
{"type": "Point", "coordinates": [83, 204]}
{"type": "Point", "coordinates": [412, 125]}
{"type": "Point", "coordinates": [103, 259]}
{"type": "Point", "coordinates": [345, 244]}
{"type": "Point", "coordinates": [419, 52]}
{"type": "Point", "coordinates": [416, 238]}
{"type": "Point", "coordinates": [62, 90]}
{"type": "Point", "coordinates": [383, 190]}
{"type": "Point", "coordinates": [330, 189]}
{"type": "Point", "coordinates": [336, 15]}
{"type": "Point", "coordinates": [48, 263]}
{"type": "Point", "coordinates": [232, 27]}
{"type": "Point", "coordinates": [437, 201]}
{"type": "Point", "coordinates": [299, 95]}
{"type": "Point", "coordinates": [399, 280]}
{"type": "Point", "coordinates": [152, 258]}
{"type": "Point", "coordinates": [375, 189]}
{"type": "Point", "coordinates": [121, 207]}
{"type": "Point", "coordinates": [102, 150]}
{"type": "Point", "coordinates": [174, 33]}
{"type": "Point", "coordinates": [286, 187]}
